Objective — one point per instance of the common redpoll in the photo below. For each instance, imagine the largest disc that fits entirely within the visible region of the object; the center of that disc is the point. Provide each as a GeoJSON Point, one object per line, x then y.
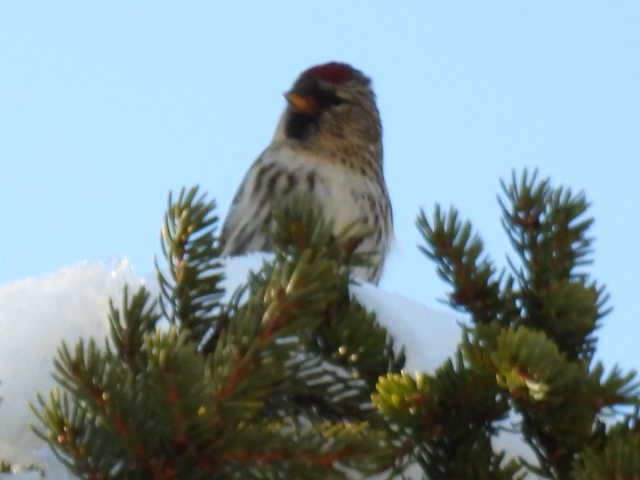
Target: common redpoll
{"type": "Point", "coordinates": [328, 143]}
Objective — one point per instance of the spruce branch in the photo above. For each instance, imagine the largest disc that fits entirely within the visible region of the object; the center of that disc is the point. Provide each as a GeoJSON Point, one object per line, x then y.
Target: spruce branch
{"type": "Point", "coordinates": [449, 417]}
{"type": "Point", "coordinates": [547, 227]}
{"type": "Point", "coordinates": [128, 328]}
{"type": "Point", "coordinates": [191, 290]}
{"type": "Point", "coordinates": [617, 457]}
{"type": "Point", "coordinates": [461, 262]}
{"type": "Point", "coordinates": [353, 339]}
{"type": "Point", "coordinates": [241, 390]}
{"type": "Point", "coordinates": [348, 350]}
{"type": "Point", "coordinates": [615, 390]}
{"type": "Point", "coordinates": [549, 231]}
{"type": "Point", "coordinates": [286, 301]}
{"type": "Point", "coordinates": [534, 325]}
{"type": "Point", "coordinates": [278, 382]}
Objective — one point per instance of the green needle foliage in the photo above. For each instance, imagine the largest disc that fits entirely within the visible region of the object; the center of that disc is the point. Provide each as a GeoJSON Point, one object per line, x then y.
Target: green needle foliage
{"type": "Point", "coordinates": [272, 384]}
{"type": "Point", "coordinates": [532, 328]}
{"type": "Point", "coordinates": [291, 378]}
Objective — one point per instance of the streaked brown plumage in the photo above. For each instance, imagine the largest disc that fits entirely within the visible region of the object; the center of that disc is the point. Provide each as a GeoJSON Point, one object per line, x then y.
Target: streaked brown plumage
{"type": "Point", "coordinates": [328, 143]}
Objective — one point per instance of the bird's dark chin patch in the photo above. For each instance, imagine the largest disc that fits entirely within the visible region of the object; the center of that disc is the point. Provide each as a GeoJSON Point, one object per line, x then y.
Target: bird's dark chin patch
{"type": "Point", "coordinates": [299, 125]}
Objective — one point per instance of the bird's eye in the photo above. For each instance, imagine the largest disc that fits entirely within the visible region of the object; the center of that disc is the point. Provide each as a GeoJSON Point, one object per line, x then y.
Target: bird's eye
{"type": "Point", "coordinates": [330, 99]}
{"type": "Point", "coordinates": [340, 100]}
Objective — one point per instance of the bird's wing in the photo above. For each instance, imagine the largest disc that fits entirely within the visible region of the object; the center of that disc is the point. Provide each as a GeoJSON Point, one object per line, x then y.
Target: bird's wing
{"type": "Point", "coordinates": [244, 228]}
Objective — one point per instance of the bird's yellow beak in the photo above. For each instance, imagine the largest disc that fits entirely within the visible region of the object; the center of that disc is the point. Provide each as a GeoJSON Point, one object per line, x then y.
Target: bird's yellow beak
{"type": "Point", "coordinates": [302, 103]}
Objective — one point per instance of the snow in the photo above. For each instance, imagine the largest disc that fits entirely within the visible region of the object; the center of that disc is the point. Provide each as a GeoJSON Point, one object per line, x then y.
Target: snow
{"type": "Point", "coordinates": [37, 314]}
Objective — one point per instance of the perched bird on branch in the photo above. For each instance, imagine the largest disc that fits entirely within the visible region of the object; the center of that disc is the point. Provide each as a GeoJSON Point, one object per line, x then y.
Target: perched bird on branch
{"type": "Point", "coordinates": [328, 144]}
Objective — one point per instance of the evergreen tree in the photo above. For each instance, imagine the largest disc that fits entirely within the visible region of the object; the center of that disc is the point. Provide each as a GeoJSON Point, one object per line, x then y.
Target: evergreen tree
{"type": "Point", "coordinates": [292, 378]}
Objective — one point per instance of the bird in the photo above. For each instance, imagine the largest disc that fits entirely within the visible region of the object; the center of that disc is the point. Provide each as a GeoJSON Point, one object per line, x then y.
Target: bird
{"type": "Point", "coordinates": [327, 144]}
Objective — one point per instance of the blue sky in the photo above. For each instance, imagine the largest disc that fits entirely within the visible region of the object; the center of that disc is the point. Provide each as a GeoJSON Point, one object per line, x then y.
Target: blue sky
{"type": "Point", "coordinates": [105, 108]}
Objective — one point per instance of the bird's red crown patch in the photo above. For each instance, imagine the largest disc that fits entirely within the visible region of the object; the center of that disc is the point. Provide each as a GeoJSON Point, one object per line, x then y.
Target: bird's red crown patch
{"type": "Point", "coordinates": [333, 72]}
